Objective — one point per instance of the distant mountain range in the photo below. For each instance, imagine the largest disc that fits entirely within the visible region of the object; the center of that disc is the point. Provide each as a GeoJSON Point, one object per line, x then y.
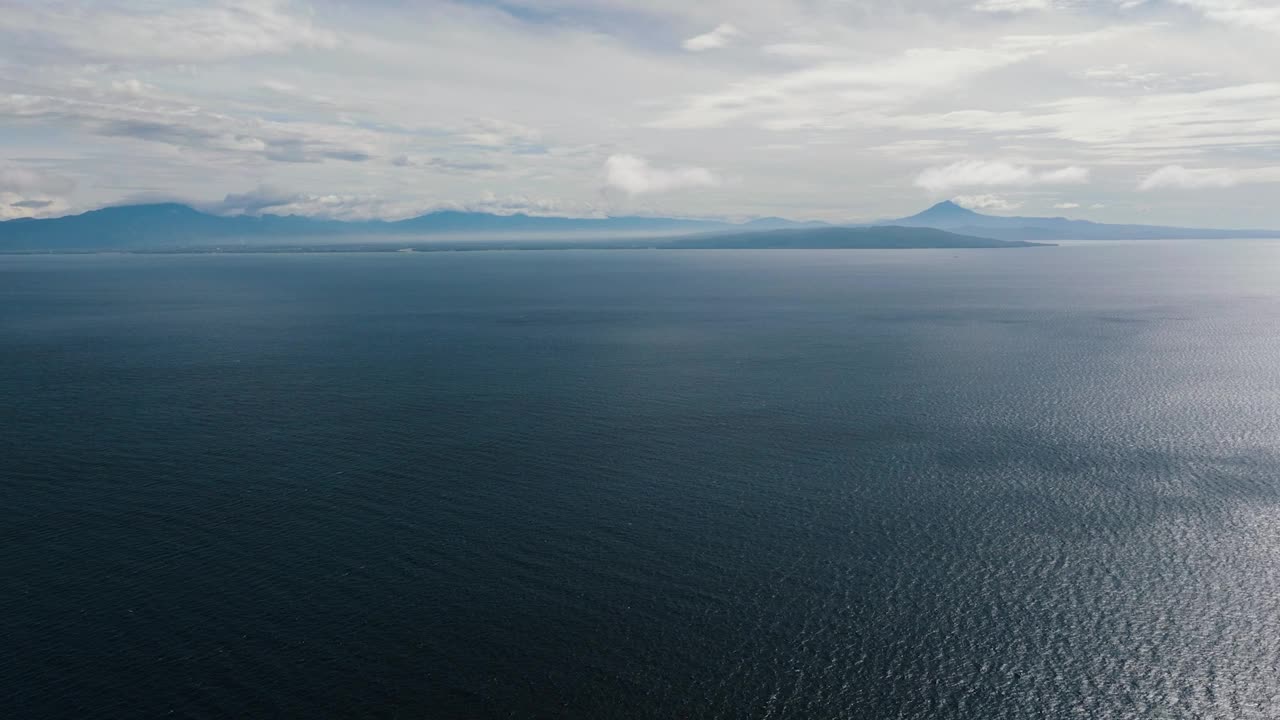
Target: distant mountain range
{"type": "Point", "coordinates": [172, 226]}
{"type": "Point", "coordinates": [950, 216]}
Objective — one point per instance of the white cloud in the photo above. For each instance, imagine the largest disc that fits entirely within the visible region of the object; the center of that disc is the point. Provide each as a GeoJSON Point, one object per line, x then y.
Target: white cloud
{"type": "Point", "coordinates": [635, 176]}
{"type": "Point", "coordinates": [847, 88]}
{"type": "Point", "coordinates": [150, 31]}
{"type": "Point", "coordinates": [490, 132]}
{"type": "Point", "coordinates": [270, 200]}
{"type": "Point", "coordinates": [522, 203]}
{"type": "Point", "coordinates": [448, 164]}
{"type": "Point", "coordinates": [1066, 206]}
{"type": "Point", "coordinates": [803, 50]}
{"type": "Point", "coordinates": [986, 202]}
{"type": "Point", "coordinates": [1177, 176]}
{"type": "Point", "coordinates": [17, 205]}
{"type": "Point", "coordinates": [1124, 129]}
{"type": "Point", "coordinates": [1180, 177]}
{"type": "Point", "coordinates": [1011, 6]}
{"type": "Point", "coordinates": [721, 36]}
{"type": "Point", "coordinates": [254, 202]}
{"type": "Point", "coordinates": [192, 128]}
{"type": "Point", "coordinates": [31, 192]}
{"type": "Point", "coordinates": [1126, 77]}
{"type": "Point", "coordinates": [978, 173]}
{"type": "Point", "coordinates": [18, 179]}
{"type": "Point", "coordinates": [1242, 13]}
{"type": "Point", "coordinates": [1073, 175]}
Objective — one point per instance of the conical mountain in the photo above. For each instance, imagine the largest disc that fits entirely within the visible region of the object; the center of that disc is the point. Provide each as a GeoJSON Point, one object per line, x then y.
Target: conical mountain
{"type": "Point", "coordinates": [944, 213]}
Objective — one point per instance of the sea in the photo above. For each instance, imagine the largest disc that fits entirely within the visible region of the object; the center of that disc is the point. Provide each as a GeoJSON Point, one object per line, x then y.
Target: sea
{"type": "Point", "coordinates": [1009, 484]}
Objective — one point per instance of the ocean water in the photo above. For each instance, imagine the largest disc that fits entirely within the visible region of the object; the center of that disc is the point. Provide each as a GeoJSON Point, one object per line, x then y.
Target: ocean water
{"type": "Point", "coordinates": [987, 484]}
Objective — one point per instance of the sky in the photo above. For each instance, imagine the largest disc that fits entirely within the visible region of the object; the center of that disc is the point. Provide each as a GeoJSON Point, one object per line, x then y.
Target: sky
{"type": "Point", "coordinates": [840, 110]}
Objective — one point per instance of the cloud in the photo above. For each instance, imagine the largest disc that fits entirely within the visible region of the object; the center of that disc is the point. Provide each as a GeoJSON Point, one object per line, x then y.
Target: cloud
{"type": "Point", "coordinates": [278, 91]}
{"type": "Point", "coordinates": [985, 202]}
{"type": "Point", "coordinates": [1011, 6]}
{"type": "Point", "coordinates": [1066, 206]}
{"type": "Point", "coordinates": [1177, 176]}
{"type": "Point", "coordinates": [192, 128]}
{"type": "Point", "coordinates": [721, 36]}
{"type": "Point", "coordinates": [14, 205]}
{"type": "Point", "coordinates": [841, 90]}
{"type": "Point", "coordinates": [32, 204]}
{"type": "Point", "coordinates": [271, 200]}
{"type": "Point", "coordinates": [492, 133]}
{"type": "Point", "coordinates": [1073, 175]}
{"type": "Point", "coordinates": [635, 176]}
{"type": "Point", "coordinates": [818, 96]}
{"type": "Point", "coordinates": [491, 202]}
{"type": "Point", "coordinates": [179, 32]}
{"type": "Point", "coordinates": [30, 192]}
{"type": "Point", "coordinates": [447, 165]}
{"type": "Point", "coordinates": [18, 179]}
{"type": "Point", "coordinates": [1126, 129]}
{"type": "Point", "coordinates": [1241, 13]}
{"type": "Point", "coordinates": [253, 202]}
{"type": "Point", "coordinates": [1125, 77]}
{"type": "Point", "coordinates": [978, 173]}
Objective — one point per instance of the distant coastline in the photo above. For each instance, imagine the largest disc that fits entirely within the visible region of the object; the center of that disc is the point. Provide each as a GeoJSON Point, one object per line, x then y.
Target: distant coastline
{"type": "Point", "coordinates": [172, 227]}
{"type": "Point", "coordinates": [870, 238]}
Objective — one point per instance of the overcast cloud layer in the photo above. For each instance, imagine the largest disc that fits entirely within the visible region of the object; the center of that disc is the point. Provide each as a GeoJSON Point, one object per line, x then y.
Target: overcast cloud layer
{"type": "Point", "coordinates": [1113, 110]}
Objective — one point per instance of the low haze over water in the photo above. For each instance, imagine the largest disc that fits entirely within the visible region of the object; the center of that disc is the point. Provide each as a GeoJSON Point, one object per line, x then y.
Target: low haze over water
{"type": "Point", "coordinates": [978, 484]}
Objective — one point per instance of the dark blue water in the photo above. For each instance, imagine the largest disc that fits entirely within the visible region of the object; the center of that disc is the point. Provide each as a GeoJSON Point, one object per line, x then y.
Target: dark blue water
{"type": "Point", "coordinates": [994, 485]}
